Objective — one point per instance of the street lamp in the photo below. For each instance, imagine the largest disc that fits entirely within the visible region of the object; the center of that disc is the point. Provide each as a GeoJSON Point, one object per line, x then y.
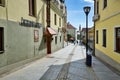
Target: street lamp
{"type": "Point", "coordinates": [88, 57]}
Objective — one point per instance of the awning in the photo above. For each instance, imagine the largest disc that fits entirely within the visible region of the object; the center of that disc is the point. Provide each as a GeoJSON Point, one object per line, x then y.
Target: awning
{"type": "Point", "coordinates": [51, 31]}
{"type": "Point", "coordinates": [71, 38]}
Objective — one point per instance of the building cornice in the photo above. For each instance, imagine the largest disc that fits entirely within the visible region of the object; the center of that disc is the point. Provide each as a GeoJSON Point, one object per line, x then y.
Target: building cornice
{"type": "Point", "coordinates": [56, 9]}
{"type": "Point", "coordinates": [108, 17]}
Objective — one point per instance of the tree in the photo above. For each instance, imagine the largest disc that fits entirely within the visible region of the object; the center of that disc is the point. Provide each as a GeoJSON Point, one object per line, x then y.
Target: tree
{"type": "Point", "coordinates": [68, 37]}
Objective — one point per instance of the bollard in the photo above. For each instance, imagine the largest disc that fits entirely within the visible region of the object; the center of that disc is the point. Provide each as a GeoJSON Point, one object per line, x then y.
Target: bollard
{"type": "Point", "coordinates": [89, 60]}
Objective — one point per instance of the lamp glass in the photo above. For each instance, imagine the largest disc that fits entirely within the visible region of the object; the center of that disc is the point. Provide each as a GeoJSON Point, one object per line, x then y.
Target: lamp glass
{"type": "Point", "coordinates": [87, 9]}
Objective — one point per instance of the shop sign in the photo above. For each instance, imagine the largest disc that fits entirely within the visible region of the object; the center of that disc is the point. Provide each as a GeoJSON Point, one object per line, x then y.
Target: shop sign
{"type": "Point", "coordinates": [28, 23]}
{"type": "Point", "coordinates": [36, 35]}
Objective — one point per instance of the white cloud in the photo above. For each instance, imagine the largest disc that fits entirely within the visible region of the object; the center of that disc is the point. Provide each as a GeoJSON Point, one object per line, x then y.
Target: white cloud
{"type": "Point", "coordinates": [90, 1]}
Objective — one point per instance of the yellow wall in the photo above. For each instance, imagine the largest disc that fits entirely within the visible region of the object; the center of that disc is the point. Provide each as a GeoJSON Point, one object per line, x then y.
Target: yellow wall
{"type": "Point", "coordinates": [54, 10]}
{"type": "Point", "coordinates": [91, 33]}
{"type": "Point", "coordinates": [113, 7]}
{"type": "Point", "coordinates": [2, 12]}
{"type": "Point", "coordinates": [15, 13]}
{"type": "Point", "coordinates": [22, 10]}
{"type": "Point", "coordinates": [109, 19]}
{"type": "Point", "coordinates": [24, 36]}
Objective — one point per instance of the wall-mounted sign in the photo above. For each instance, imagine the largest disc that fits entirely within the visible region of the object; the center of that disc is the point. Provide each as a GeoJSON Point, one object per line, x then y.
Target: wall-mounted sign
{"type": "Point", "coordinates": [36, 35]}
{"type": "Point", "coordinates": [28, 23]}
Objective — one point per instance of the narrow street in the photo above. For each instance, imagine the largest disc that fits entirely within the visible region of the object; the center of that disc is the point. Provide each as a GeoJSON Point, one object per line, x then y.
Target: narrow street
{"type": "Point", "coordinates": [65, 64]}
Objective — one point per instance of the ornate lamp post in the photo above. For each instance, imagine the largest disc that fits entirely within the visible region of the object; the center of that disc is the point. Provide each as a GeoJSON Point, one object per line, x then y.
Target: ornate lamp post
{"type": "Point", "coordinates": [88, 57]}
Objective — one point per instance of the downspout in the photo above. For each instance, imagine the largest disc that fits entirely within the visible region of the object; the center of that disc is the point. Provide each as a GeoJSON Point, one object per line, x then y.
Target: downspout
{"type": "Point", "coordinates": [48, 25]}
{"type": "Point", "coordinates": [48, 13]}
{"type": "Point", "coordinates": [6, 4]}
{"type": "Point", "coordinates": [94, 32]}
{"type": "Point", "coordinates": [6, 46]}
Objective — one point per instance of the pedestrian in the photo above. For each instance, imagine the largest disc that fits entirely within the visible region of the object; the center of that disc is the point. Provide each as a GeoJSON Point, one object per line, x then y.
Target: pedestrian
{"type": "Point", "coordinates": [77, 42]}
{"type": "Point", "coordinates": [74, 42]}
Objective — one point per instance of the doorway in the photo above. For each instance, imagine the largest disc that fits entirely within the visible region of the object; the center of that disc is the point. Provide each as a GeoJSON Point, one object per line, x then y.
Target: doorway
{"type": "Point", "coordinates": [118, 39]}
{"type": "Point", "coordinates": [49, 44]}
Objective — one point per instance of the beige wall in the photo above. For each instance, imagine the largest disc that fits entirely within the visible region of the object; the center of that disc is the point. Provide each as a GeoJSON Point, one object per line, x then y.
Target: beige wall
{"type": "Point", "coordinates": [19, 42]}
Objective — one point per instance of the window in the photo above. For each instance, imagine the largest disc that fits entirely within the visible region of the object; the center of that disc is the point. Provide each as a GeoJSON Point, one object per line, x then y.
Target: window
{"type": "Point", "coordinates": [60, 38]}
{"type": "Point", "coordinates": [97, 36]}
{"type": "Point", "coordinates": [104, 37]}
{"type": "Point", "coordinates": [55, 39]}
{"type": "Point", "coordinates": [97, 8]}
{"type": "Point", "coordinates": [32, 8]}
{"type": "Point", "coordinates": [2, 3]}
{"type": "Point", "coordinates": [55, 18]}
{"type": "Point", "coordinates": [104, 4]}
{"type": "Point", "coordinates": [60, 22]}
{"type": "Point", "coordinates": [117, 30]}
{"type": "Point", "coordinates": [1, 39]}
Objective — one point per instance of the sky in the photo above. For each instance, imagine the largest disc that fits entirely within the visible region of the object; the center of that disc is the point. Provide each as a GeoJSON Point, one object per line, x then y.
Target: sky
{"type": "Point", "coordinates": [76, 15]}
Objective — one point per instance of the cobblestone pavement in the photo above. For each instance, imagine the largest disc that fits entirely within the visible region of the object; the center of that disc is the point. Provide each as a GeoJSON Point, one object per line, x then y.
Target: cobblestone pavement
{"type": "Point", "coordinates": [65, 64]}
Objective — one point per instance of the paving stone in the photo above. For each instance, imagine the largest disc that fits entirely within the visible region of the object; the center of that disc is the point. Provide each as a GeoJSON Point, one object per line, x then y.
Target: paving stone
{"type": "Point", "coordinates": [65, 64]}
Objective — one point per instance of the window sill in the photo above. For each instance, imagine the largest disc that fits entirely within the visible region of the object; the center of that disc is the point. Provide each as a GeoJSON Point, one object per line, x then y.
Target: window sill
{"type": "Point", "coordinates": [117, 51]}
{"type": "Point", "coordinates": [2, 5]}
{"type": "Point", "coordinates": [1, 52]}
{"type": "Point", "coordinates": [32, 15]}
{"type": "Point", "coordinates": [104, 7]}
{"type": "Point", "coordinates": [104, 46]}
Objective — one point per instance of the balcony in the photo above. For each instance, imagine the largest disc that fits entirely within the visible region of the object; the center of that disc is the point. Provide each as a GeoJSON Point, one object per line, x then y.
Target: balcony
{"type": "Point", "coordinates": [58, 3]}
{"type": "Point", "coordinates": [96, 17]}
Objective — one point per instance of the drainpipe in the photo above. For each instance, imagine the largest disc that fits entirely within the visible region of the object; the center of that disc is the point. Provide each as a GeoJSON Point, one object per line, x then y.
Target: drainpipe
{"type": "Point", "coordinates": [48, 13]}
{"type": "Point", "coordinates": [94, 34]}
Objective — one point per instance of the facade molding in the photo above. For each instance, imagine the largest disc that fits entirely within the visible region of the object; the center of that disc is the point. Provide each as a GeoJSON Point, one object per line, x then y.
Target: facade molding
{"type": "Point", "coordinates": [114, 14]}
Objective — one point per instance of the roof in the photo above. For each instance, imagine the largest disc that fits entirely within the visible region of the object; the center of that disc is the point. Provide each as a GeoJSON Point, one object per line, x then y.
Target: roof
{"type": "Point", "coordinates": [84, 29]}
{"type": "Point", "coordinates": [69, 26]}
{"type": "Point", "coordinates": [49, 31]}
{"type": "Point", "coordinates": [52, 31]}
{"type": "Point", "coordinates": [91, 30]}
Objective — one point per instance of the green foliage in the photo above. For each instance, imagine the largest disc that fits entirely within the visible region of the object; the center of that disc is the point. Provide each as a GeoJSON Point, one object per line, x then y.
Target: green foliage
{"type": "Point", "coordinates": [78, 37]}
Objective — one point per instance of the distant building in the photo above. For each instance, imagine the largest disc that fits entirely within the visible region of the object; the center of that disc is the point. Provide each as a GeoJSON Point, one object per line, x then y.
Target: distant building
{"type": "Point", "coordinates": [107, 31]}
{"type": "Point", "coordinates": [83, 34]}
{"type": "Point", "coordinates": [71, 30]}
{"type": "Point", "coordinates": [91, 34]}
{"type": "Point", "coordinates": [91, 38]}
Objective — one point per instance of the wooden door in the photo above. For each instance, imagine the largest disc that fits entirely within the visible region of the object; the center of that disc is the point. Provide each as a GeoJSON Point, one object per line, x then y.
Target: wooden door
{"type": "Point", "coordinates": [48, 44]}
{"type": "Point", "coordinates": [118, 39]}
{"type": "Point", "coordinates": [1, 39]}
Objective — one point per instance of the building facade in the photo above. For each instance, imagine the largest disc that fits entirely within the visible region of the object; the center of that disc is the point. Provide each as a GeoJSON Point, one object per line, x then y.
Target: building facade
{"type": "Point", "coordinates": [91, 34]}
{"type": "Point", "coordinates": [91, 37]}
{"type": "Point", "coordinates": [22, 30]}
{"type": "Point", "coordinates": [83, 35]}
{"type": "Point", "coordinates": [107, 31]}
{"type": "Point", "coordinates": [71, 32]}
